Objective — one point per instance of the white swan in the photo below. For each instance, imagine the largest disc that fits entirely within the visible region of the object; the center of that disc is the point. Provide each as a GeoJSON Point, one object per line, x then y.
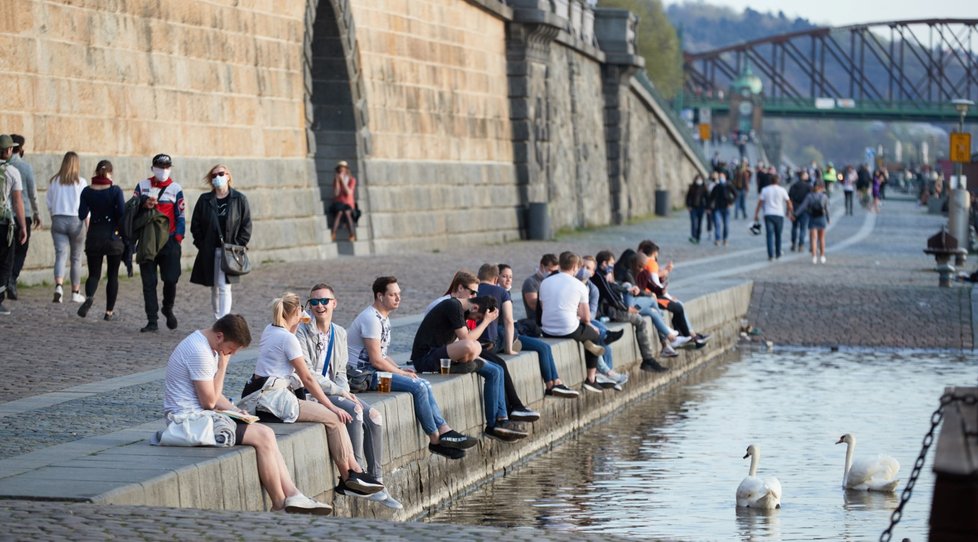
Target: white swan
{"type": "Point", "coordinates": [754, 492]}
{"type": "Point", "coordinates": [868, 473]}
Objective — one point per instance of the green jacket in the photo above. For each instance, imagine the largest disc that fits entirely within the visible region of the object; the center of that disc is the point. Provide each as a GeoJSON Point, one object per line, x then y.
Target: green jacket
{"type": "Point", "coordinates": [153, 229]}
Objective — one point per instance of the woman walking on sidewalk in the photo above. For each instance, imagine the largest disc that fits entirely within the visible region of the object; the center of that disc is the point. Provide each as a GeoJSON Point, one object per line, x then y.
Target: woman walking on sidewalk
{"type": "Point", "coordinates": [67, 230]}
{"type": "Point", "coordinates": [816, 204]}
{"type": "Point", "coordinates": [102, 205]}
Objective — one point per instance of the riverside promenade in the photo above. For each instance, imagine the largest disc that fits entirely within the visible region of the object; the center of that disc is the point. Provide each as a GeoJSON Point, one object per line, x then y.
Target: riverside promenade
{"type": "Point", "coordinates": [69, 379]}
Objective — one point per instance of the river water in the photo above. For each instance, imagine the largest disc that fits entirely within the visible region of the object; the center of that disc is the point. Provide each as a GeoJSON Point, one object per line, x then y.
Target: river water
{"type": "Point", "coordinates": [668, 466]}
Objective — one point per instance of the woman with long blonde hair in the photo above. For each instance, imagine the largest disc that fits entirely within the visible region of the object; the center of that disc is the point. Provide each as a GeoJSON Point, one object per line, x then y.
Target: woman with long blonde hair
{"type": "Point", "coordinates": [67, 230]}
{"type": "Point", "coordinates": [280, 357]}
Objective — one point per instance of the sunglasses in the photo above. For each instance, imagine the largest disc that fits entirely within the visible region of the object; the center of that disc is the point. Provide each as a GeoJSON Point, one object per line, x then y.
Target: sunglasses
{"type": "Point", "coordinates": [320, 301]}
{"type": "Point", "coordinates": [472, 292]}
{"type": "Point", "coordinates": [217, 174]}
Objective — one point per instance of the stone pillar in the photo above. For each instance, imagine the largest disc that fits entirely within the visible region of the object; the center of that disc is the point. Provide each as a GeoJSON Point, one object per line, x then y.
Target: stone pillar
{"type": "Point", "coordinates": [528, 38]}
{"type": "Point", "coordinates": [615, 31]}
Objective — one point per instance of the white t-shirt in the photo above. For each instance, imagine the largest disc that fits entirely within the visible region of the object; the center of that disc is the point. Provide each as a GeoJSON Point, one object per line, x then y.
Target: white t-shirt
{"type": "Point", "coordinates": [191, 360]}
{"type": "Point", "coordinates": [13, 184]}
{"type": "Point", "coordinates": [775, 197]}
{"type": "Point", "coordinates": [63, 199]}
{"type": "Point", "coordinates": [561, 294]}
{"type": "Point", "coordinates": [278, 347]}
{"type": "Point", "coordinates": [369, 324]}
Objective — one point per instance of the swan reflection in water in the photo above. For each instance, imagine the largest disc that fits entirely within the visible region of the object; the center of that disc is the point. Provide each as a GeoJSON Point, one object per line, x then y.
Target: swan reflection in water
{"type": "Point", "coordinates": [759, 523]}
{"type": "Point", "coordinates": [856, 499]}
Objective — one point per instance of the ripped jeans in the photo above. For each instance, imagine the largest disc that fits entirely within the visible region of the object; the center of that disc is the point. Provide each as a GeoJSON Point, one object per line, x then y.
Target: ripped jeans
{"type": "Point", "coordinates": [366, 434]}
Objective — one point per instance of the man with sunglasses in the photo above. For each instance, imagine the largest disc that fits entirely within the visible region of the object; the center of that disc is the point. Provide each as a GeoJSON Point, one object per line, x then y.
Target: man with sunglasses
{"type": "Point", "coordinates": [325, 351]}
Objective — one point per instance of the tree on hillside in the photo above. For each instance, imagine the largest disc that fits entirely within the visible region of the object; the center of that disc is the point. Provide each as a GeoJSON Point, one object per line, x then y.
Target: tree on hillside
{"type": "Point", "coordinates": [657, 43]}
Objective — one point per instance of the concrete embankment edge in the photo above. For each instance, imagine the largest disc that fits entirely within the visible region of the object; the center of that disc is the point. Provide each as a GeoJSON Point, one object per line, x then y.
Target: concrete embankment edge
{"type": "Point", "coordinates": [122, 468]}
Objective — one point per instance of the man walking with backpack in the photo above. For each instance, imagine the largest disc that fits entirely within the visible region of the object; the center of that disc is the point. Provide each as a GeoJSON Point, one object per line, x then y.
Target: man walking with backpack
{"type": "Point", "coordinates": [774, 199]}
{"type": "Point", "coordinates": [164, 195]}
{"type": "Point", "coordinates": [11, 215]}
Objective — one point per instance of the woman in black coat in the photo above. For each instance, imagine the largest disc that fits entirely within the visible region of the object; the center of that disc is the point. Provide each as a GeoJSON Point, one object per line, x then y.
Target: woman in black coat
{"type": "Point", "coordinates": [221, 212]}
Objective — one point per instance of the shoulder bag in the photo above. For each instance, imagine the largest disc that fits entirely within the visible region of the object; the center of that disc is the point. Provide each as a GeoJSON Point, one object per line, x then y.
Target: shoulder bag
{"type": "Point", "coordinates": [234, 258]}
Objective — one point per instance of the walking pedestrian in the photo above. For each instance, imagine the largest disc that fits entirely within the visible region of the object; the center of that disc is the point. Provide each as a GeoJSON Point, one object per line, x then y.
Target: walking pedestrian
{"type": "Point", "coordinates": [849, 187]}
{"type": "Point", "coordinates": [102, 205]}
{"type": "Point", "coordinates": [696, 197]}
{"type": "Point", "coordinates": [13, 227]}
{"type": "Point", "coordinates": [67, 230]}
{"type": "Point", "coordinates": [774, 199]}
{"type": "Point", "coordinates": [221, 215]}
{"type": "Point", "coordinates": [879, 178]}
{"type": "Point", "coordinates": [162, 194]}
{"type": "Point", "coordinates": [32, 212]}
{"type": "Point", "coordinates": [816, 205]}
{"type": "Point", "coordinates": [798, 191]}
{"type": "Point", "coordinates": [741, 183]}
{"type": "Point", "coordinates": [721, 198]}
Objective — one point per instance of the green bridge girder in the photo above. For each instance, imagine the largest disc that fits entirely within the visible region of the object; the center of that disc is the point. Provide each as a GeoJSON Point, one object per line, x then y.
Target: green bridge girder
{"type": "Point", "coordinates": [909, 111]}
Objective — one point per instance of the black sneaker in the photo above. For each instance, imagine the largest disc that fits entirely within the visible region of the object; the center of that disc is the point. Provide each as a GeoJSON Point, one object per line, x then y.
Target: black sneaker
{"type": "Point", "coordinates": [613, 336]}
{"type": "Point", "coordinates": [108, 317]}
{"type": "Point", "coordinates": [451, 453]}
{"type": "Point", "coordinates": [524, 415]}
{"type": "Point", "coordinates": [702, 338]}
{"type": "Point", "coordinates": [346, 491]}
{"type": "Point", "coordinates": [454, 439]}
{"type": "Point", "coordinates": [591, 386]}
{"type": "Point", "coordinates": [503, 435]}
{"type": "Point", "coordinates": [12, 292]}
{"type": "Point", "coordinates": [561, 390]}
{"type": "Point", "coordinates": [511, 427]}
{"type": "Point", "coordinates": [150, 327]}
{"type": "Point", "coordinates": [653, 366]}
{"type": "Point", "coordinates": [83, 310]}
{"type": "Point", "coordinates": [171, 320]}
{"type": "Point", "coordinates": [359, 481]}
{"type": "Point", "coordinates": [4, 310]}
{"type": "Point", "coordinates": [465, 368]}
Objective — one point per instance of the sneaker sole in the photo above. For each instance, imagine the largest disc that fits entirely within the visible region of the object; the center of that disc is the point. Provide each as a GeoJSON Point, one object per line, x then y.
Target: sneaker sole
{"type": "Point", "coordinates": [445, 454]}
{"type": "Point", "coordinates": [460, 445]}
{"type": "Point", "coordinates": [504, 437]}
{"type": "Point", "coordinates": [566, 394]}
{"type": "Point", "coordinates": [519, 418]}
{"type": "Point", "coordinates": [318, 511]}
{"type": "Point", "coordinates": [367, 489]}
{"type": "Point", "coordinates": [590, 388]}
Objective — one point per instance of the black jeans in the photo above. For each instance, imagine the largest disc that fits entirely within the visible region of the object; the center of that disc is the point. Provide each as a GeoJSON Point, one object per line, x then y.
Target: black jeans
{"type": "Point", "coordinates": [848, 194]}
{"type": "Point", "coordinates": [679, 318]}
{"type": "Point", "coordinates": [168, 261]}
{"type": "Point", "coordinates": [581, 334]}
{"type": "Point", "coordinates": [6, 259]}
{"type": "Point", "coordinates": [20, 254]}
{"type": "Point", "coordinates": [95, 274]}
{"type": "Point", "coordinates": [513, 401]}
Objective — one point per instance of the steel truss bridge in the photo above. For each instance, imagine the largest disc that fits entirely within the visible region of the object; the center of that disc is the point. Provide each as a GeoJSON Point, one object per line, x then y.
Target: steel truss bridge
{"type": "Point", "coordinates": [896, 70]}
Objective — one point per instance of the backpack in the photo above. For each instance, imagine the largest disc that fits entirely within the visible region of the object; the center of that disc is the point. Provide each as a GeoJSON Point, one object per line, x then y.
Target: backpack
{"type": "Point", "coordinates": [817, 207]}
{"type": "Point", "coordinates": [6, 211]}
{"type": "Point", "coordinates": [731, 195]}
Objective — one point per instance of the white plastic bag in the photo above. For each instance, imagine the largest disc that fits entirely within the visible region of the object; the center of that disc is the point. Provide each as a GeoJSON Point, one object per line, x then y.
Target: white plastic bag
{"type": "Point", "coordinates": [195, 429]}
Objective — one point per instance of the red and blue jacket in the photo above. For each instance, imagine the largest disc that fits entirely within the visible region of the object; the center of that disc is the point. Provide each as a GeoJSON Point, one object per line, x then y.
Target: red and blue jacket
{"type": "Point", "coordinates": [171, 203]}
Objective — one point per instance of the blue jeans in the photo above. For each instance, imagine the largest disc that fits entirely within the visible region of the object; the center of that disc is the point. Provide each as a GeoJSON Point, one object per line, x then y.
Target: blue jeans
{"type": "Point", "coordinates": [493, 392]}
{"type": "Point", "coordinates": [721, 216]}
{"type": "Point", "coordinates": [740, 204]}
{"type": "Point", "coordinates": [773, 225]}
{"type": "Point", "coordinates": [605, 362]}
{"type": "Point", "coordinates": [425, 408]}
{"type": "Point", "coordinates": [648, 307]}
{"type": "Point", "coordinates": [695, 223]}
{"type": "Point", "coordinates": [545, 355]}
{"type": "Point", "coordinates": [799, 230]}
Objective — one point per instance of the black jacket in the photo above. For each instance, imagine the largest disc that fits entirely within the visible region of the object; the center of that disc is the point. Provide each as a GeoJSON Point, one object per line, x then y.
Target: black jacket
{"type": "Point", "coordinates": [798, 192]}
{"type": "Point", "coordinates": [206, 233]}
{"type": "Point", "coordinates": [721, 196]}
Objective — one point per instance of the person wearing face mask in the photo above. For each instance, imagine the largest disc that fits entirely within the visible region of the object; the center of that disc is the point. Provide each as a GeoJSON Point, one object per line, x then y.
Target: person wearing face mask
{"type": "Point", "coordinates": [696, 205]}
{"type": "Point", "coordinates": [220, 213]}
{"type": "Point", "coordinates": [163, 194]}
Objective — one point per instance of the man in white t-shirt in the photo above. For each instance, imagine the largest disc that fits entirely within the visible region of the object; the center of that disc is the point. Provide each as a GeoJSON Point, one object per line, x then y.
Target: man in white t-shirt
{"type": "Point", "coordinates": [776, 203]}
{"type": "Point", "coordinates": [11, 215]}
{"type": "Point", "coordinates": [368, 339]}
{"type": "Point", "coordinates": [567, 314]}
{"type": "Point", "coordinates": [195, 382]}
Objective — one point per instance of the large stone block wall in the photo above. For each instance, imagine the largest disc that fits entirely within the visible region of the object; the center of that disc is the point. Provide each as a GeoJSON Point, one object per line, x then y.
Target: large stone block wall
{"type": "Point", "coordinates": [207, 82]}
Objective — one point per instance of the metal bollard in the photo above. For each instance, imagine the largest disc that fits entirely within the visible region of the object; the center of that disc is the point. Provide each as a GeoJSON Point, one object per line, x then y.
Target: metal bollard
{"type": "Point", "coordinates": [945, 271]}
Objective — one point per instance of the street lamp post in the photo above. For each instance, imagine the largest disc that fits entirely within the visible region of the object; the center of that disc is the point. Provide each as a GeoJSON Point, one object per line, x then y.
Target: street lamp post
{"type": "Point", "coordinates": [960, 200]}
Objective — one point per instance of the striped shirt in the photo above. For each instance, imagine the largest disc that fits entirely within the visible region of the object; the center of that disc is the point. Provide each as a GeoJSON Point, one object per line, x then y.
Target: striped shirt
{"type": "Point", "coordinates": [192, 359]}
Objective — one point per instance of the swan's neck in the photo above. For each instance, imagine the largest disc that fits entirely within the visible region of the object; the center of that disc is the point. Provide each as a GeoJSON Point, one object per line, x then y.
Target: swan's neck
{"type": "Point", "coordinates": [850, 449]}
{"type": "Point", "coordinates": [755, 458]}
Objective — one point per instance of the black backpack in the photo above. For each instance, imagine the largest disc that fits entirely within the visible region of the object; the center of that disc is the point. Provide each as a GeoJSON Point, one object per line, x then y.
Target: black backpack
{"type": "Point", "coordinates": [816, 208]}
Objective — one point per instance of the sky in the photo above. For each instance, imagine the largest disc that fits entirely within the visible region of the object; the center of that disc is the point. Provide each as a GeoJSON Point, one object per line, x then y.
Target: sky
{"type": "Point", "coordinates": [843, 12]}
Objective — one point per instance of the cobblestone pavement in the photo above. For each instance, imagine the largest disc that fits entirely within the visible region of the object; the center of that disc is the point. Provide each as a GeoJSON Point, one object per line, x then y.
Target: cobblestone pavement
{"type": "Point", "coordinates": [74, 522]}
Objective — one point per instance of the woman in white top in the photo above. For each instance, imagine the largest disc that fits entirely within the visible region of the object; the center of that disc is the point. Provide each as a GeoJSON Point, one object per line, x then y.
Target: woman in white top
{"type": "Point", "coordinates": [280, 356]}
{"type": "Point", "coordinates": [68, 231]}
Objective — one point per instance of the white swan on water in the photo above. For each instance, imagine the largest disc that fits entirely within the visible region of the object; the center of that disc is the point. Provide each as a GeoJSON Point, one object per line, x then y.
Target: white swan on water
{"type": "Point", "coordinates": [868, 473]}
{"type": "Point", "coordinates": [754, 492]}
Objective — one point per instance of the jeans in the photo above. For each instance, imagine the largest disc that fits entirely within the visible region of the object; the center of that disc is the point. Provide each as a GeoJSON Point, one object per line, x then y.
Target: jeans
{"type": "Point", "coordinates": [493, 393]}
{"type": "Point", "coordinates": [848, 194]}
{"type": "Point", "coordinates": [605, 362]}
{"type": "Point", "coordinates": [695, 223]}
{"type": "Point", "coordinates": [168, 261]}
{"type": "Point", "coordinates": [773, 225]}
{"type": "Point", "coordinates": [366, 433]}
{"type": "Point", "coordinates": [425, 408]}
{"type": "Point", "coordinates": [799, 229]}
{"type": "Point", "coordinates": [740, 204]}
{"type": "Point", "coordinates": [545, 355]}
{"type": "Point", "coordinates": [721, 216]}
{"type": "Point", "coordinates": [647, 307]}
{"type": "Point", "coordinates": [513, 401]}
{"type": "Point", "coordinates": [643, 335]}
{"type": "Point", "coordinates": [68, 233]}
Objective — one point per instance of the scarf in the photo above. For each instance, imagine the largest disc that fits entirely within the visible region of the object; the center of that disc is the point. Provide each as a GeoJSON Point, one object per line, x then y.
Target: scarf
{"type": "Point", "coordinates": [102, 181]}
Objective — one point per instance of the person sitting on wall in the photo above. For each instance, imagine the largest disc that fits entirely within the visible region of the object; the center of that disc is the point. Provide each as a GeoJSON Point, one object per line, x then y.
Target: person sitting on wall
{"type": "Point", "coordinates": [344, 206]}
{"type": "Point", "coordinates": [606, 376]}
{"type": "Point", "coordinates": [653, 279]}
{"type": "Point", "coordinates": [531, 286]}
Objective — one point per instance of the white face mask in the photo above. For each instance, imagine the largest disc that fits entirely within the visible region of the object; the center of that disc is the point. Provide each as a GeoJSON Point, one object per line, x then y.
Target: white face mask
{"type": "Point", "coordinates": [161, 174]}
{"type": "Point", "coordinates": [699, 181]}
{"type": "Point", "coordinates": [220, 181]}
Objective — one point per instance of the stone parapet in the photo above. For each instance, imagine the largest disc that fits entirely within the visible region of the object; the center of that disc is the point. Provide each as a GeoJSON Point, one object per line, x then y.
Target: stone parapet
{"type": "Point", "coordinates": [121, 468]}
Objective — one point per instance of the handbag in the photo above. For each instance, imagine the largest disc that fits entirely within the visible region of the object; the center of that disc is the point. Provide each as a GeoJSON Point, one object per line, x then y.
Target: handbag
{"type": "Point", "coordinates": [275, 397]}
{"type": "Point", "coordinates": [234, 258]}
{"type": "Point", "coordinates": [196, 429]}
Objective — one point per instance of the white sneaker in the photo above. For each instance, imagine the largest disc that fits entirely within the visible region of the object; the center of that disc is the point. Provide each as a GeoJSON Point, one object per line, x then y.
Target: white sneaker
{"type": "Point", "coordinates": [679, 342]}
{"type": "Point", "coordinates": [822, 259]}
{"type": "Point", "coordinates": [300, 504]}
{"type": "Point", "coordinates": [385, 499]}
{"type": "Point", "coordinates": [814, 260]}
{"type": "Point", "coordinates": [58, 293]}
{"type": "Point", "coordinates": [77, 297]}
